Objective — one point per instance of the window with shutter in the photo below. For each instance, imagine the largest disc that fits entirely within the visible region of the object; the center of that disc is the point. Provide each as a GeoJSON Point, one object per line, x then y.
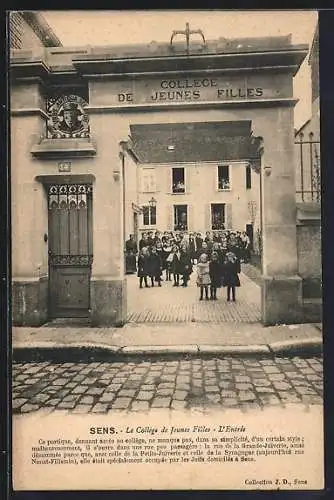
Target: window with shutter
{"type": "Point", "coordinates": [228, 215]}
{"type": "Point", "coordinates": [148, 180]}
{"type": "Point", "coordinates": [217, 216]}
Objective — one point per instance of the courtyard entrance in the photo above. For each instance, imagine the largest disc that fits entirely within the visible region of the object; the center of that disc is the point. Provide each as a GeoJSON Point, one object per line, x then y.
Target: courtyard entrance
{"type": "Point", "coordinates": [170, 304]}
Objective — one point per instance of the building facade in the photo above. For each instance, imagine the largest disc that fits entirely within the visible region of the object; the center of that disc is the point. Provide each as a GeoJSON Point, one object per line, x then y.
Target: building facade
{"type": "Point", "coordinates": [198, 174]}
{"type": "Point", "coordinates": [83, 165]}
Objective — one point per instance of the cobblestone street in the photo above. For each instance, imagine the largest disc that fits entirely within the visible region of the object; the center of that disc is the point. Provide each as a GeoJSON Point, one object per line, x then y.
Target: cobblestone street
{"type": "Point", "coordinates": [179, 304]}
{"type": "Point", "coordinates": [197, 384]}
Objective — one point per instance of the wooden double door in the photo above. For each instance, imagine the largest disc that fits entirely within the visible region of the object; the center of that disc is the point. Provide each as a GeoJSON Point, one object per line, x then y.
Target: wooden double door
{"type": "Point", "coordinates": [70, 249]}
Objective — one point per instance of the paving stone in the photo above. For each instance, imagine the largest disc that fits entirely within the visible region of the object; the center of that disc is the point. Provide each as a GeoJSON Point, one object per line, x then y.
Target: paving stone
{"type": "Point", "coordinates": [243, 387]}
{"type": "Point", "coordinates": [82, 409]}
{"type": "Point", "coordinates": [183, 387]}
{"type": "Point", "coordinates": [160, 402]}
{"type": "Point", "coordinates": [165, 385]}
{"type": "Point", "coordinates": [305, 390]}
{"type": "Point", "coordinates": [28, 407]}
{"type": "Point", "coordinates": [242, 378]}
{"type": "Point", "coordinates": [287, 397]}
{"type": "Point", "coordinates": [87, 400]}
{"type": "Point", "coordinates": [165, 392]}
{"type": "Point", "coordinates": [213, 398]}
{"type": "Point", "coordinates": [230, 402]}
{"type": "Point", "coordinates": [281, 386]}
{"type": "Point", "coordinates": [95, 391]}
{"type": "Point", "coordinates": [145, 395]}
{"type": "Point", "coordinates": [66, 405]}
{"type": "Point", "coordinates": [225, 385]}
{"type": "Point", "coordinates": [80, 389]}
{"type": "Point", "coordinates": [271, 369]}
{"type": "Point", "coordinates": [140, 405]}
{"type": "Point", "coordinates": [180, 395]}
{"type": "Point", "coordinates": [17, 403]}
{"type": "Point", "coordinates": [72, 397]}
{"type": "Point", "coordinates": [263, 382]}
{"type": "Point", "coordinates": [121, 403]}
{"type": "Point", "coordinates": [265, 390]}
{"type": "Point", "coordinates": [127, 393]}
{"type": "Point", "coordinates": [107, 397]}
{"type": "Point", "coordinates": [60, 381]}
{"type": "Point", "coordinates": [148, 387]}
{"type": "Point", "coordinates": [211, 388]}
{"type": "Point", "coordinates": [276, 377]}
{"type": "Point", "coordinates": [53, 402]}
{"type": "Point", "coordinates": [100, 408]}
{"type": "Point", "coordinates": [40, 398]}
{"type": "Point", "coordinates": [178, 405]}
{"type": "Point", "coordinates": [246, 396]}
{"type": "Point", "coordinates": [269, 399]}
{"type": "Point", "coordinates": [228, 394]}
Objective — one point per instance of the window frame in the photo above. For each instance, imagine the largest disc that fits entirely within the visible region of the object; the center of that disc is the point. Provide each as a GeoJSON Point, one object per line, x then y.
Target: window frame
{"type": "Point", "coordinates": [212, 204]}
{"type": "Point", "coordinates": [184, 180]}
{"type": "Point", "coordinates": [229, 176]}
{"type": "Point", "coordinates": [248, 173]}
{"type": "Point", "coordinates": [174, 214]}
{"type": "Point", "coordinates": [153, 189]}
{"type": "Point", "coordinates": [150, 215]}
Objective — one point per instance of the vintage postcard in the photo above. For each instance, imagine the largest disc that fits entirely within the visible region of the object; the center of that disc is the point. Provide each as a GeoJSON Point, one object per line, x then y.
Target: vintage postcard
{"type": "Point", "coordinates": [166, 250]}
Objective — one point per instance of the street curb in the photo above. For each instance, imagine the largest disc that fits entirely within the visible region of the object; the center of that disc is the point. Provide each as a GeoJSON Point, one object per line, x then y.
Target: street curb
{"type": "Point", "coordinates": [50, 351]}
{"type": "Point", "coordinates": [312, 346]}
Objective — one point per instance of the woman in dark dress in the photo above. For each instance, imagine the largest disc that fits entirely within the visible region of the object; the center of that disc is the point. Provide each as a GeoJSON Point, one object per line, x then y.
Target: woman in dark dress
{"type": "Point", "coordinates": [215, 268]}
{"type": "Point", "coordinates": [185, 265]}
{"type": "Point", "coordinates": [130, 255]}
{"type": "Point", "coordinates": [175, 265]}
{"type": "Point", "coordinates": [154, 266]}
{"type": "Point", "coordinates": [231, 270]}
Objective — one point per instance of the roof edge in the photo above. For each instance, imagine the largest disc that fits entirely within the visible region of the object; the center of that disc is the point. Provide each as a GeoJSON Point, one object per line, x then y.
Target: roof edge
{"type": "Point", "coordinates": [41, 27]}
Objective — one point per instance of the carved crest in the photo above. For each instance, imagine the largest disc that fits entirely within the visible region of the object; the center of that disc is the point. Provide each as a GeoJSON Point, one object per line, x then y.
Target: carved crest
{"type": "Point", "coordinates": [67, 117]}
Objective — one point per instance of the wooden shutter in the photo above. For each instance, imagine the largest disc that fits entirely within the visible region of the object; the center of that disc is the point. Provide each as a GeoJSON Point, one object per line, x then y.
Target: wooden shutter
{"type": "Point", "coordinates": [191, 226]}
{"type": "Point", "coordinates": [228, 215]}
{"type": "Point", "coordinates": [170, 217]}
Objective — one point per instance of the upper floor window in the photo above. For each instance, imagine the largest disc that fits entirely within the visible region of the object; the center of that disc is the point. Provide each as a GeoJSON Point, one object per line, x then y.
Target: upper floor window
{"type": "Point", "coordinates": [248, 177]}
{"type": "Point", "coordinates": [149, 216]}
{"type": "Point", "coordinates": [224, 177]}
{"type": "Point", "coordinates": [178, 180]}
{"type": "Point", "coordinates": [149, 184]}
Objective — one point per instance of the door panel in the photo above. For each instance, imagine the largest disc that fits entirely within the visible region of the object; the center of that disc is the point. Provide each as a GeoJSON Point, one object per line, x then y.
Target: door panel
{"type": "Point", "coordinates": [70, 249]}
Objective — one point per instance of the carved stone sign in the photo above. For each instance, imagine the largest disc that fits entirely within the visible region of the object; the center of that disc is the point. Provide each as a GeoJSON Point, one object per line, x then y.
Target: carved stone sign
{"type": "Point", "coordinates": [190, 89]}
{"type": "Point", "coordinates": [67, 117]}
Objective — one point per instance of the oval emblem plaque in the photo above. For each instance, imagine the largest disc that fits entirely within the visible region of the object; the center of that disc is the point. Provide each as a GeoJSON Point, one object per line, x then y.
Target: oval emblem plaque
{"type": "Point", "coordinates": [68, 118]}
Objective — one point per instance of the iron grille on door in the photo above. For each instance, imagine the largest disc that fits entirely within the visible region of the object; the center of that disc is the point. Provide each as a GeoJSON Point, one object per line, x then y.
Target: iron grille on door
{"type": "Point", "coordinates": [70, 239]}
{"type": "Point", "coordinates": [70, 249]}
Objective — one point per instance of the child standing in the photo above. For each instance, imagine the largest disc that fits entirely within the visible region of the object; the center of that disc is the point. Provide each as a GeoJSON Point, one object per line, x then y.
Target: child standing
{"type": "Point", "coordinates": [143, 267]}
{"type": "Point", "coordinates": [203, 276]}
{"type": "Point", "coordinates": [175, 265]}
{"type": "Point", "coordinates": [215, 268]}
{"type": "Point", "coordinates": [155, 266]}
{"type": "Point", "coordinates": [230, 274]}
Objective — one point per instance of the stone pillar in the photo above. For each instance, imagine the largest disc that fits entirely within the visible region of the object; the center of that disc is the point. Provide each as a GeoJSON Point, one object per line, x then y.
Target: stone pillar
{"type": "Point", "coordinates": [29, 208]}
{"type": "Point", "coordinates": [108, 285]}
{"type": "Point", "coordinates": [281, 285]}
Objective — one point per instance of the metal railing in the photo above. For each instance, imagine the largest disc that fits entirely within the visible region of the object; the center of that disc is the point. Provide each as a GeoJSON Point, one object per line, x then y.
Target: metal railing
{"type": "Point", "coordinates": [308, 174]}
